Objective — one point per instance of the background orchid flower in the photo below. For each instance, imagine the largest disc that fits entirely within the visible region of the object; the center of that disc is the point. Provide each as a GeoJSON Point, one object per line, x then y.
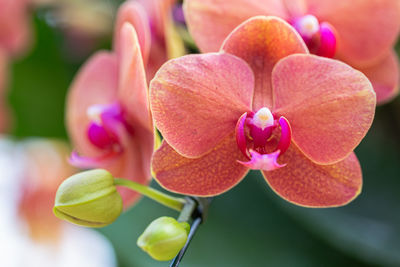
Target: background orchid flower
{"type": "Point", "coordinates": [15, 33]}
{"type": "Point", "coordinates": [360, 33]}
{"type": "Point", "coordinates": [263, 102]}
{"type": "Point", "coordinates": [157, 34]}
{"type": "Point", "coordinates": [108, 117]}
{"type": "Point", "coordinates": [31, 172]}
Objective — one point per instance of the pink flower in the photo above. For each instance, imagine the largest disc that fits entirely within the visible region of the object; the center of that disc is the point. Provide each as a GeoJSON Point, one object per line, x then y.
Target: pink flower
{"type": "Point", "coordinates": [262, 102]}
{"type": "Point", "coordinates": [108, 117]}
{"type": "Point", "coordinates": [15, 33]}
{"type": "Point", "coordinates": [360, 33]}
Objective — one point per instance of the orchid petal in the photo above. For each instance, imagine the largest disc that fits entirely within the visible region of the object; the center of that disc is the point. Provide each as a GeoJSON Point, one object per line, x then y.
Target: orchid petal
{"type": "Point", "coordinates": [305, 183]}
{"type": "Point", "coordinates": [265, 162]}
{"type": "Point", "coordinates": [384, 77]}
{"type": "Point", "coordinates": [262, 42]}
{"type": "Point", "coordinates": [133, 13]}
{"type": "Point", "coordinates": [96, 83]}
{"type": "Point", "coordinates": [133, 90]}
{"type": "Point", "coordinates": [210, 21]}
{"type": "Point", "coordinates": [330, 106]}
{"type": "Point", "coordinates": [209, 175]}
{"type": "Point", "coordinates": [366, 29]}
{"type": "Point", "coordinates": [196, 100]}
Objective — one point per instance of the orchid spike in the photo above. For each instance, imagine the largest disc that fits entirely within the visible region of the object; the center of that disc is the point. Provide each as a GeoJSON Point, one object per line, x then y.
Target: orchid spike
{"type": "Point", "coordinates": [351, 31]}
{"type": "Point", "coordinates": [263, 102]}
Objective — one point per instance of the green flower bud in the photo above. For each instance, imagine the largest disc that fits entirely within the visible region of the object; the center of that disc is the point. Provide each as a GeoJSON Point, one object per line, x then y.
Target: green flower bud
{"type": "Point", "coordinates": [89, 198]}
{"type": "Point", "coordinates": [164, 238]}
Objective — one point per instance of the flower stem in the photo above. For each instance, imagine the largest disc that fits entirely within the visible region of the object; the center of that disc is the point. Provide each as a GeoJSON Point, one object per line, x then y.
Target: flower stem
{"type": "Point", "coordinates": [160, 197]}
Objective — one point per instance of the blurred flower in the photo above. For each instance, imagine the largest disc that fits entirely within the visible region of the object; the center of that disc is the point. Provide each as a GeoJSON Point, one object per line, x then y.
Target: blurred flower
{"type": "Point", "coordinates": [83, 23]}
{"type": "Point", "coordinates": [158, 37]}
{"type": "Point", "coordinates": [164, 238]}
{"type": "Point", "coordinates": [15, 32]}
{"type": "Point", "coordinates": [31, 172]}
{"type": "Point", "coordinates": [108, 117]}
{"type": "Point", "coordinates": [360, 33]}
{"type": "Point", "coordinates": [312, 121]}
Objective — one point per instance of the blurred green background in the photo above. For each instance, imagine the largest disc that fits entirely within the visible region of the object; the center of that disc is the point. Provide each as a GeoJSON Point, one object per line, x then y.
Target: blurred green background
{"type": "Point", "coordinates": [249, 225]}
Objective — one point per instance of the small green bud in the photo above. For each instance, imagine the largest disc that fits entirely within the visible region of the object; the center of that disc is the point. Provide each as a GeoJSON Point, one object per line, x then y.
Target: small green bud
{"type": "Point", "coordinates": [164, 238]}
{"type": "Point", "coordinates": [89, 198]}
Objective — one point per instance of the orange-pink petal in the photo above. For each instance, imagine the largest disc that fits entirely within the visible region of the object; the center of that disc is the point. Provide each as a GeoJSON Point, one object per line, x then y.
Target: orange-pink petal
{"type": "Point", "coordinates": [133, 13]}
{"type": "Point", "coordinates": [366, 29]}
{"type": "Point", "coordinates": [133, 90]}
{"type": "Point", "coordinates": [196, 100]}
{"type": "Point", "coordinates": [210, 21]}
{"type": "Point", "coordinates": [134, 162]}
{"type": "Point", "coordinates": [305, 183]}
{"type": "Point", "coordinates": [262, 42]}
{"type": "Point", "coordinates": [209, 175]}
{"type": "Point", "coordinates": [329, 105]}
{"type": "Point", "coordinates": [96, 83]}
{"type": "Point", "coordinates": [384, 77]}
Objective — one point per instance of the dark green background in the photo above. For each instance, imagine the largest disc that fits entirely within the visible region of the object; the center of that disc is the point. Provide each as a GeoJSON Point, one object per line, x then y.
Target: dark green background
{"type": "Point", "coordinates": [249, 225]}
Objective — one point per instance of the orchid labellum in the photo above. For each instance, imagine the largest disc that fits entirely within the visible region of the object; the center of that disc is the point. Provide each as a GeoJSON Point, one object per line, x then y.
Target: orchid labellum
{"type": "Point", "coordinates": [262, 102]}
{"type": "Point", "coordinates": [108, 117]}
{"type": "Point", "coordinates": [361, 33]}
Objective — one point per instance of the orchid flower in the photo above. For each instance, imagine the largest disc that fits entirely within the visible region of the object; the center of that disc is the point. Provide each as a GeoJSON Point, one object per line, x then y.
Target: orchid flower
{"type": "Point", "coordinates": [157, 34]}
{"type": "Point", "coordinates": [108, 117]}
{"type": "Point", "coordinates": [262, 102]}
{"type": "Point", "coordinates": [15, 34]}
{"type": "Point", "coordinates": [360, 33]}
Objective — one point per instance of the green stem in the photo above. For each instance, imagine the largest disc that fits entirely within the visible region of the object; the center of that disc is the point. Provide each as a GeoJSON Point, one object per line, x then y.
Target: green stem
{"type": "Point", "coordinates": [162, 198]}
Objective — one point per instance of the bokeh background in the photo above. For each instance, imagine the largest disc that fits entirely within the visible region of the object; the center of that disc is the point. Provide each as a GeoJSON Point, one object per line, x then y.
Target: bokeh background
{"type": "Point", "coordinates": [249, 225]}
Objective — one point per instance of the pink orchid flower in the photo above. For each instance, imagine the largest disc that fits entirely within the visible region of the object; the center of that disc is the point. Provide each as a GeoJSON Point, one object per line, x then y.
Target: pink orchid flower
{"type": "Point", "coordinates": [157, 35]}
{"type": "Point", "coordinates": [361, 33]}
{"type": "Point", "coordinates": [263, 102]}
{"type": "Point", "coordinates": [15, 34]}
{"type": "Point", "coordinates": [108, 117]}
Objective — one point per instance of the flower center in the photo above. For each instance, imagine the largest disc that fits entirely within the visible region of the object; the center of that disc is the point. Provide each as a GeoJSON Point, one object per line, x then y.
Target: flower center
{"type": "Point", "coordinates": [257, 133]}
{"type": "Point", "coordinates": [320, 38]}
{"type": "Point", "coordinates": [106, 125]}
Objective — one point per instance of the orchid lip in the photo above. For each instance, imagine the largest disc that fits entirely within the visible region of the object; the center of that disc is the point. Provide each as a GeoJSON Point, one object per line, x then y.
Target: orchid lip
{"type": "Point", "coordinates": [265, 162]}
{"type": "Point", "coordinates": [92, 162]}
{"type": "Point", "coordinates": [253, 133]}
{"type": "Point", "coordinates": [105, 125]}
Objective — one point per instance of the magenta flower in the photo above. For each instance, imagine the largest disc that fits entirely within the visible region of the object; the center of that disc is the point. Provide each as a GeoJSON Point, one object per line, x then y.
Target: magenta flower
{"type": "Point", "coordinates": [361, 33]}
{"type": "Point", "coordinates": [108, 117]}
{"type": "Point", "coordinates": [262, 102]}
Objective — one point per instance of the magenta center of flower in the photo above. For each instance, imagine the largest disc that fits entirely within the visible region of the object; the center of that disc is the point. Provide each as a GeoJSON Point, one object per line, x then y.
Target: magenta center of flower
{"type": "Point", "coordinates": [320, 38]}
{"type": "Point", "coordinates": [106, 127]}
{"type": "Point", "coordinates": [255, 134]}
{"type": "Point", "coordinates": [107, 131]}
